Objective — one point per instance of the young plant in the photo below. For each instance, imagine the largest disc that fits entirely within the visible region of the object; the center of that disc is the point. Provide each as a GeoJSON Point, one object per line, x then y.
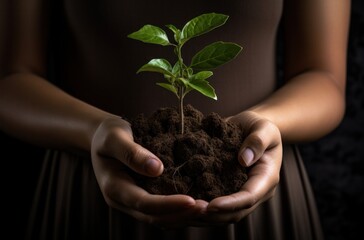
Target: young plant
{"type": "Point", "coordinates": [182, 78]}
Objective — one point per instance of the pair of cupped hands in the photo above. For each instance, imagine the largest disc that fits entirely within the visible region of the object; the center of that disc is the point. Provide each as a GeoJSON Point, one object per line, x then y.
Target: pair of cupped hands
{"type": "Point", "coordinates": [113, 150]}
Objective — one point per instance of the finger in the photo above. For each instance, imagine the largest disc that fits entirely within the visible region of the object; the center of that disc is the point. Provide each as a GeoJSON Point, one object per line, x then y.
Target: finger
{"type": "Point", "coordinates": [262, 179]}
{"type": "Point", "coordinates": [124, 192]}
{"type": "Point", "coordinates": [173, 219]}
{"type": "Point", "coordinates": [121, 192]}
{"type": "Point", "coordinates": [114, 138]}
{"type": "Point", "coordinates": [180, 219]}
{"type": "Point", "coordinates": [165, 211]}
{"type": "Point", "coordinates": [222, 218]}
{"type": "Point", "coordinates": [263, 136]}
{"type": "Point", "coordinates": [141, 160]}
{"type": "Point", "coordinates": [133, 155]}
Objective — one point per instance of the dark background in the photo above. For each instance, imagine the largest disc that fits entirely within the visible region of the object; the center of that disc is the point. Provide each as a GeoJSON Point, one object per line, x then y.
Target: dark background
{"type": "Point", "coordinates": [335, 163]}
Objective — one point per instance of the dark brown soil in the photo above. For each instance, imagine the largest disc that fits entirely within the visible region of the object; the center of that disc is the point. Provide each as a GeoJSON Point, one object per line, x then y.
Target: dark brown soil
{"type": "Point", "coordinates": [201, 163]}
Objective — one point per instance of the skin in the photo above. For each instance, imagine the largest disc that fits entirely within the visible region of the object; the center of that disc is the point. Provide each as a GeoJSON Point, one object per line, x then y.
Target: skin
{"type": "Point", "coordinates": [312, 102]}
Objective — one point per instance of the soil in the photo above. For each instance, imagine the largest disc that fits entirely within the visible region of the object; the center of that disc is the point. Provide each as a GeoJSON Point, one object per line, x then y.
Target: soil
{"type": "Point", "coordinates": [201, 163]}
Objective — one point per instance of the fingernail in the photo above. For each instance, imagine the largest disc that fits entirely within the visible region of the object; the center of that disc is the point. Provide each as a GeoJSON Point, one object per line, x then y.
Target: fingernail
{"type": "Point", "coordinates": [152, 166]}
{"type": "Point", "coordinates": [248, 156]}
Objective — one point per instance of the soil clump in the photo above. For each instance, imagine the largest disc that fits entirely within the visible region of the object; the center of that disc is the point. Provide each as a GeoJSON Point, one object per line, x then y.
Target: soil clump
{"type": "Point", "coordinates": [201, 163]}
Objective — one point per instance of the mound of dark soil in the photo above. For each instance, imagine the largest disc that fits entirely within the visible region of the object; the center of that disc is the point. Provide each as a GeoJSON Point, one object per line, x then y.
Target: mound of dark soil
{"type": "Point", "coordinates": [201, 163]}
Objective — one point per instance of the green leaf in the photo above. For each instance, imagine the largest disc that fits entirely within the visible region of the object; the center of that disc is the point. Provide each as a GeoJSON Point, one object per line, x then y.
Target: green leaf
{"type": "Point", "coordinates": [203, 75]}
{"type": "Point", "coordinates": [189, 72]}
{"type": "Point", "coordinates": [151, 34]}
{"type": "Point", "coordinates": [173, 28]}
{"type": "Point", "coordinates": [203, 87]}
{"type": "Point", "coordinates": [176, 31]}
{"type": "Point", "coordinates": [176, 68]}
{"type": "Point", "coordinates": [202, 24]}
{"type": "Point", "coordinates": [157, 65]}
{"type": "Point", "coordinates": [215, 55]}
{"type": "Point", "coordinates": [168, 86]}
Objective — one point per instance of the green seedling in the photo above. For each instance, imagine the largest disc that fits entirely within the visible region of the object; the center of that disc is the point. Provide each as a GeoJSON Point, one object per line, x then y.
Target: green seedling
{"type": "Point", "coordinates": [182, 78]}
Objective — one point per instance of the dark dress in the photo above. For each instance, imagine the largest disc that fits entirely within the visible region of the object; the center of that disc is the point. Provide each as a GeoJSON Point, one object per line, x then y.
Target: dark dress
{"type": "Point", "coordinates": [92, 59]}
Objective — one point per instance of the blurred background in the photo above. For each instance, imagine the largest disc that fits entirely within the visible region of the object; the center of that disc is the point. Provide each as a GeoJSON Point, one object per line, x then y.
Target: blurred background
{"type": "Point", "coordinates": [335, 163]}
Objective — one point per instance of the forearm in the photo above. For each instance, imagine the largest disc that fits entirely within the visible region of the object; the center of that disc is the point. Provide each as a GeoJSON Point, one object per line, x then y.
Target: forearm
{"type": "Point", "coordinates": [309, 106]}
{"type": "Point", "coordinates": [36, 111]}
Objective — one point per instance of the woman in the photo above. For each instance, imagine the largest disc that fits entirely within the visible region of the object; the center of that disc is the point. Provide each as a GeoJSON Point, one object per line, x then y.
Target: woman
{"type": "Point", "coordinates": [68, 74]}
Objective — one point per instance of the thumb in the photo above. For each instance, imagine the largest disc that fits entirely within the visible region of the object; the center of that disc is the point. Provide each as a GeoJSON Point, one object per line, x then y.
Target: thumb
{"type": "Point", "coordinates": [246, 157]}
{"type": "Point", "coordinates": [252, 149]}
{"type": "Point", "coordinates": [264, 136]}
{"type": "Point", "coordinates": [140, 159]}
{"type": "Point", "coordinates": [114, 138]}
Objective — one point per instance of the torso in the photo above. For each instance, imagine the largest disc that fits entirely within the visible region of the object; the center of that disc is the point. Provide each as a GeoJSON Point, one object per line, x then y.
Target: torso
{"type": "Point", "coordinates": [99, 62]}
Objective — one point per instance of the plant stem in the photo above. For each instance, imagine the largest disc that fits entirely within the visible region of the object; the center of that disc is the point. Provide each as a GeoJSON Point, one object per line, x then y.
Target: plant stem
{"type": "Point", "coordinates": [181, 89]}
{"type": "Point", "coordinates": [181, 113]}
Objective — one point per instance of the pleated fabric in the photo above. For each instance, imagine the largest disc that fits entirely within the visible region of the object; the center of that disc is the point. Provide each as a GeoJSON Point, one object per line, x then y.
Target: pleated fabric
{"type": "Point", "coordinates": [68, 205]}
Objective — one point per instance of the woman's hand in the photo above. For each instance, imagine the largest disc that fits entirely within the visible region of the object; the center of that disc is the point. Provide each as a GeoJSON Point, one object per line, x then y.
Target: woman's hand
{"type": "Point", "coordinates": [113, 151]}
{"type": "Point", "coordinates": [261, 151]}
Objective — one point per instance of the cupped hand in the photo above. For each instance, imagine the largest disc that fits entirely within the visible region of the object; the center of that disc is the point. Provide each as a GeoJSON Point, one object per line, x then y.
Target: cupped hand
{"type": "Point", "coordinates": [261, 152]}
{"type": "Point", "coordinates": [113, 150]}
